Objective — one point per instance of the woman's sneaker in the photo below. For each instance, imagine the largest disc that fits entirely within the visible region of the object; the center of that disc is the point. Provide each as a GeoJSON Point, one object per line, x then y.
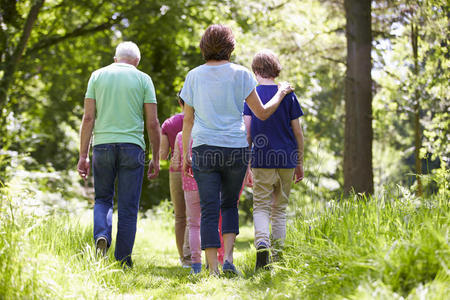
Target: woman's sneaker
{"type": "Point", "coordinates": [196, 268]}
{"type": "Point", "coordinates": [229, 269]}
{"type": "Point", "coordinates": [262, 256]}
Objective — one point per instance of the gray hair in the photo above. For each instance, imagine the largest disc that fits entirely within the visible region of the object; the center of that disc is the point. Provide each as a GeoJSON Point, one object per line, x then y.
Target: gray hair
{"type": "Point", "coordinates": [128, 50]}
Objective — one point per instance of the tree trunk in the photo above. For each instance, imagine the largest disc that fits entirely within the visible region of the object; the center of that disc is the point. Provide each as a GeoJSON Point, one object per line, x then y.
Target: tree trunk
{"type": "Point", "coordinates": [12, 60]}
{"type": "Point", "coordinates": [417, 127]}
{"type": "Point", "coordinates": [358, 172]}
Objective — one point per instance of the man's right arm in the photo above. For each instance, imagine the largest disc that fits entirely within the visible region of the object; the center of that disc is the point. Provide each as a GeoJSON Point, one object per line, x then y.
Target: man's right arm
{"type": "Point", "coordinates": [87, 125]}
{"type": "Point", "coordinates": [154, 136]}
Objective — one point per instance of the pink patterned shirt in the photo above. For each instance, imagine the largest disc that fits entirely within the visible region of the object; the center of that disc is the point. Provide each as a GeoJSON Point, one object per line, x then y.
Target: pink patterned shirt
{"type": "Point", "coordinates": [189, 183]}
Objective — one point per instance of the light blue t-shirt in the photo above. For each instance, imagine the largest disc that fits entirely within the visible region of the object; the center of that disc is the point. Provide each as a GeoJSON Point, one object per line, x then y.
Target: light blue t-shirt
{"type": "Point", "coordinates": [217, 94]}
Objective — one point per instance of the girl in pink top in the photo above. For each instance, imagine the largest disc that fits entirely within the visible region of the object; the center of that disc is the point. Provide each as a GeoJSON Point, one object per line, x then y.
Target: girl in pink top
{"type": "Point", "coordinates": [193, 209]}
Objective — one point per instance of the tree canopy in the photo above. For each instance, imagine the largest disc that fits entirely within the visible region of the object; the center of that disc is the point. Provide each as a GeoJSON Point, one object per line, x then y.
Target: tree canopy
{"type": "Point", "coordinates": [49, 48]}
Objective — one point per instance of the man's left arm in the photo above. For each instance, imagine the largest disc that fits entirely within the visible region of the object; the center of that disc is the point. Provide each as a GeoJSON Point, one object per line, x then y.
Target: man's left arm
{"type": "Point", "coordinates": [154, 136]}
{"type": "Point", "coordinates": [87, 125]}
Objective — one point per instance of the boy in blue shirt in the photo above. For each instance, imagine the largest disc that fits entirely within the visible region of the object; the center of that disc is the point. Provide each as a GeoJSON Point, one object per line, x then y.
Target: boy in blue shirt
{"type": "Point", "coordinates": [277, 158]}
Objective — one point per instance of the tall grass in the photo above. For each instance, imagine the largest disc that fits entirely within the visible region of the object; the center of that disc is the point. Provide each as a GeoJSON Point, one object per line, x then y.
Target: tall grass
{"type": "Point", "coordinates": [392, 246]}
{"type": "Point", "coordinates": [395, 243]}
{"type": "Point", "coordinates": [14, 281]}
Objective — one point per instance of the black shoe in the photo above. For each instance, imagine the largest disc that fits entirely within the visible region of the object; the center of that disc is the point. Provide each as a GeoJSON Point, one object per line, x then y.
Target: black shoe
{"type": "Point", "coordinates": [277, 256]}
{"type": "Point", "coordinates": [101, 246]}
{"type": "Point", "coordinates": [262, 256]}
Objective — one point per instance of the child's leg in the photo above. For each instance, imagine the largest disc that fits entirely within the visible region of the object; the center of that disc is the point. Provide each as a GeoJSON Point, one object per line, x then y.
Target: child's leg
{"type": "Point", "coordinates": [179, 207]}
{"type": "Point", "coordinates": [279, 205]}
{"type": "Point", "coordinates": [193, 217]}
{"type": "Point", "coordinates": [263, 186]}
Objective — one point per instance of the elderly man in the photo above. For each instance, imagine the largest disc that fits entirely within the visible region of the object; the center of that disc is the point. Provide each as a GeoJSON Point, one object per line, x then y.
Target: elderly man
{"type": "Point", "coordinates": [117, 97]}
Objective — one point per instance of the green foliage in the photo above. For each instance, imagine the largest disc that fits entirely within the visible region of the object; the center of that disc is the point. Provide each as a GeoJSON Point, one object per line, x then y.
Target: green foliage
{"type": "Point", "coordinates": [156, 190]}
{"type": "Point", "coordinates": [397, 82]}
{"type": "Point", "coordinates": [309, 38]}
{"type": "Point", "coordinates": [70, 39]}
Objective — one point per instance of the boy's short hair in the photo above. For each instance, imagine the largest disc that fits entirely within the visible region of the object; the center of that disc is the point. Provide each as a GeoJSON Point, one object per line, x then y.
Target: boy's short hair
{"type": "Point", "coordinates": [217, 43]}
{"type": "Point", "coordinates": [266, 64]}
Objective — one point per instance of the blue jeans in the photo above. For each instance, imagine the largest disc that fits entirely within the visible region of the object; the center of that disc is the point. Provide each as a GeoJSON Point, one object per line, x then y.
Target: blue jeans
{"type": "Point", "coordinates": [125, 162]}
{"type": "Point", "coordinates": [219, 173]}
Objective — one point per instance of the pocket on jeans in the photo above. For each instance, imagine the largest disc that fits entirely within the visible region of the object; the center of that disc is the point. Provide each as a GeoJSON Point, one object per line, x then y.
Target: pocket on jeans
{"type": "Point", "coordinates": [132, 157]}
{"type": "Point", "coordinates": [238, 157]}
{"type": "Point", "coordinates": [204, 158]}
{"type": "Point", "coordinates": [102, 156]}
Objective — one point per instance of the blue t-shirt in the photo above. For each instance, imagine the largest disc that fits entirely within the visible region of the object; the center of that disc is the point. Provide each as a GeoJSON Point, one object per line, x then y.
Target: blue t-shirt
{"type": "Point", "coordinates": [274, 143]}
{"type": "Point", "coordinates": [217, 94]}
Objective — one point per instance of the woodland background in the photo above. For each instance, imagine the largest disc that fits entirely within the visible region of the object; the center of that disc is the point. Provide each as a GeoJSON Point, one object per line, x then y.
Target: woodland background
{"type": "Point", "coordinates": [48, 50]}
{"type": "Point", "coordinates": [371, 219]}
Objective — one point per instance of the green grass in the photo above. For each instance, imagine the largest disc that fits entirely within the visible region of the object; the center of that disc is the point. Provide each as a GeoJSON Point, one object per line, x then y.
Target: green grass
{"type": "Point", "coordinates": [391, 247]}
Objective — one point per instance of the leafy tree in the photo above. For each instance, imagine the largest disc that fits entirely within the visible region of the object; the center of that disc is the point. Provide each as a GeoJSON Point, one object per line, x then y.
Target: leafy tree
{"type": "Point", "coordinates": [411, 106]}
{"type": "Point", "coordinates": [309, 38]}
{"type": "Point", "coordinates": [14, 40]}
{"type": "Point", "coordinates": [69, 40]}
{"type": "Point", "coordinates": [45, 69]}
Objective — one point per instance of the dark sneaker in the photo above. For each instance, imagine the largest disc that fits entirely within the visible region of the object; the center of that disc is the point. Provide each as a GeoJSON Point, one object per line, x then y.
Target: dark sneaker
{"type": "Point", "coordinates": [101, 246]}
{"type": "Point", "coordinates": [262, 256]}
{"type": "Point", "coordinates": [277, 251]}
{"type": "Point", "coordinates": [229, 269]}
{"type": "Point", "coordinates": [196, 268]}
{"type": "Point", "coordinates": [277, 256]}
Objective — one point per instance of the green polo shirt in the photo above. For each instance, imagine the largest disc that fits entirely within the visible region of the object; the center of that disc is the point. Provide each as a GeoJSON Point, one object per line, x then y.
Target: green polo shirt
{"type": "Point", "coordinates": [120, 91]}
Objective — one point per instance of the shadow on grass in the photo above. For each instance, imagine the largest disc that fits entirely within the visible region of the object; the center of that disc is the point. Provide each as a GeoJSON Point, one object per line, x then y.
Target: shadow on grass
{"type": "Point", "coordinates": [243, 243]}
{"type": "Point", "coordinates": [169, 272]}
{"type": "Point", "coordinates": [150, 276]}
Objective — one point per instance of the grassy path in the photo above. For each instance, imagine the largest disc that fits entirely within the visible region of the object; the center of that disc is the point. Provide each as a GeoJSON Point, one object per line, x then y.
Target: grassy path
{"type": "Point", "coordinates": [157, 266]}
{"type": "Point", "coordinates": [387, 248]}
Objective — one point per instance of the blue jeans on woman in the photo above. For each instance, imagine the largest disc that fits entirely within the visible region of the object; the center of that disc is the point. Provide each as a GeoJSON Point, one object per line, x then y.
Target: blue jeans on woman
{"type": "Point", "coordinates": [219, 173]}
{"type": "Point", "coordinates": [125, 162]}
